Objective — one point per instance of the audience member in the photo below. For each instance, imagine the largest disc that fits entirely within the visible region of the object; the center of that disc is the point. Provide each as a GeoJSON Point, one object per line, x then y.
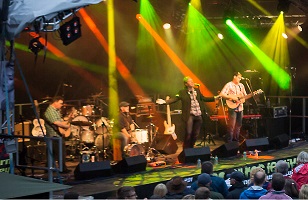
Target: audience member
{"type": "Point", "coordinates": [126, 192]}
{"type": "Point", "coordinates": [71, 195]}
{"type": "Point", "coordinates": [291, 188]}
{"type": "Point", "coordinates": [177, 188]}
{"type": "Point", "coordinates": [282, 167]}
{"type": "Point", "coordinates": [255, 191]}
{"type": "Point", "coordinates": [277, 192]}
{"type": "Point", "coordinates": [300, 172]}
{"type": "Point", "coordinates": [204, 180]}
{"type": "Point", "coordinates": [266, 185]}
{"type": "Point", "coordinates": [237, 185]}
{"type": "Point", "coordinates": [189, 196]}
{"type": "Point", "coordinates": [303, 192]}
{"type": "Point", "coordinates": [218, 184]}
{"type": "Point", "coordinates": [160, 191]}
{"type": "Point", "coordinates": [202, 193]}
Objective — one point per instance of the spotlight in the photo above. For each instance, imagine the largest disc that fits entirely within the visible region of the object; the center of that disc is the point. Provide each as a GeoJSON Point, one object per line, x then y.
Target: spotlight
{"type": "Point", "coordinates": [284, 35]}
{"type": "Point", "coordinates": [283, 5]}
{"type": "Point", "coordinates": [166, 26]}
{"type": "Point", "coordinates": [35, 45]}
{"type": "Point", "coordinates": [70, 31]}
{"type": "Point", "coordinates": [220, 36]}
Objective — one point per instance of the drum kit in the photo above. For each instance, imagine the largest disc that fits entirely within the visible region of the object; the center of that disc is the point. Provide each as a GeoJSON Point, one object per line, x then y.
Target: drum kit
{"type": "Point", "coordinates": [92, 133]}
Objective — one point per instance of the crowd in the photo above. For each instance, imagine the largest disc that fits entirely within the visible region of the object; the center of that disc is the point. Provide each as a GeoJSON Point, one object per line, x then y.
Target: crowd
{"type": "Point", "coordinates": [208, 186]}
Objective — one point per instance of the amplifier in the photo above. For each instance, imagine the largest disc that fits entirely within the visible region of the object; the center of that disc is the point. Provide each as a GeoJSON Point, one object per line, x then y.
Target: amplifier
{"type": "Point", "coordinates": [145, 108]}
{"type": "Point", "coordinates": [281, 111]}
{"type": "Point", "coordinates": [274, 112]}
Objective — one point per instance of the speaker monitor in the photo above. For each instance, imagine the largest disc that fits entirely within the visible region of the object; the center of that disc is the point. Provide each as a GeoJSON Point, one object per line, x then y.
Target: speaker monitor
{"type": "Point", "coordinates": [165, 144]}
{"type": "Point", "coordinates": [280, 141]}
{"type": "Point", "coordinates": [191, 155]}
{"type": "Point", "coordinates": [92, 170]}
{"type": "Point", "coordinates": [226, 150]}
{"type": "Point", "coordinates": [253, 144]}
{"type": "Point", "coordinates": [131, 165]}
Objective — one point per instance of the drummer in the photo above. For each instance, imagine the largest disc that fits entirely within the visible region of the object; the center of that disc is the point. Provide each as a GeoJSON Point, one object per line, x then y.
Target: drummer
{"type": "Point", "coordinates": [126, 126]}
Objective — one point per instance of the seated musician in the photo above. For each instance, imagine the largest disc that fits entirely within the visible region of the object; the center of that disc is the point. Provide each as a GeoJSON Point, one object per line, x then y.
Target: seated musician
{"type": "Point", "coordinates": [125, 125]}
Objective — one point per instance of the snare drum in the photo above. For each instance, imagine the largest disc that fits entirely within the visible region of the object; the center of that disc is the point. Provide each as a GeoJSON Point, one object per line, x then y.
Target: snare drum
{"type": "Point", "coordinates": [87, 110]}
{"type": "Point", "coordinates": [99, 141]}
{"type": "Point", "coordinates": [141, 135]}
{"type": "Point", "coordinates": [134, 150]}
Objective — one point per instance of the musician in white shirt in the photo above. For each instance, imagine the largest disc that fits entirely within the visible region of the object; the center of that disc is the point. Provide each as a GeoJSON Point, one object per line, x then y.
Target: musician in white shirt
{"type": "Point", "coordinates": [232, 91]}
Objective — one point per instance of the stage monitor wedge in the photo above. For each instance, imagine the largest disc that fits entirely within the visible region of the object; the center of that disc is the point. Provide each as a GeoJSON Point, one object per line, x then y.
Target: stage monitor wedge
{"type": "Point", "coordinates": [191, 155]}
{"type": "Point", "coordinates": [279, 142]}
{"type": "Point", "coordinates": [131, 165]}
{"type": "Point", "coordinates": [226, 150]}
{"type": "Point", "coordinates": [261, 144]}
{"type": "Point", "coordinates": [91, 170]}
{"type": "Point", "coordinates": [165, 144]}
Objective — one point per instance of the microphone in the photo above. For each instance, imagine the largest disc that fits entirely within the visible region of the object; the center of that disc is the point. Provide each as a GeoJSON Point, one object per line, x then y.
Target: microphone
{"type": "Point", "coordinates": [197, 84]}
{"type": "Point", "coordinates": [67, 85]}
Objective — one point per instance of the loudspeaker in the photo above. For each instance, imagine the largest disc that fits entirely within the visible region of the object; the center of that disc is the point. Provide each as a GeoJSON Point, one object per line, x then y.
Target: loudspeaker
{"type": "Point", "coordinates": [280, 141]}
{"type": "Point", "coordinates": [165, 144]}
{"type": "Point", "coordinates": [92, 170]}
{"type": "Point", "coordinates": [191, 155]}
{"type": "Point", "coordinates": [226, 150]}
{"type": "Point", "coordinates": [274, 127]}
{"type": "Point", "coordinates": [253, 144]}
{"type": "Point", "coordinates": [131, 165]}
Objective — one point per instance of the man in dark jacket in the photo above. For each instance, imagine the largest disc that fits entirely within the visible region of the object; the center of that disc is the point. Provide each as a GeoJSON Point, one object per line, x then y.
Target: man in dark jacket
{"type": "Point", "coordinates": [193, 110]}
{"type": "Point", "coordinates": [237, 185]}
{"type": "Point", "coordinates": [204, 180]}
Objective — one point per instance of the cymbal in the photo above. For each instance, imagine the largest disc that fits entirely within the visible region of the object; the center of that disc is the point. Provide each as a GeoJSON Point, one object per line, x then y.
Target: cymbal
{"type": "Point", "coordinates": [97, 96]}
{"type": "Point", "coordinates": [94, 116]}
{"type": "Point", "coordinates": [47, 98]}
{"type": "Point", "coordinates": [150, 116]}
{"type": "Point", "coordinates": [250, 71]}
{"type": "Point", "coordinates": [67, 105]}
{"type": "Point", "coordinates": [81, 123]}
{"type": "Point", "coordinates": [88, 101]}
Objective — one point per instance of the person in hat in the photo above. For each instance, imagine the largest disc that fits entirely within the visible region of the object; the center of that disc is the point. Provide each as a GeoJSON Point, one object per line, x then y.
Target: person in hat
{"type": "Point", "coordinates": [125, 125]}
{"type": "Point", "coordinates": [177, 188]}
{"type": "Point", "coordinates": [193, 109]}
{"type": "Point", "coordinates": [237, 185]}
{"type": "Point", "coordinates": [204, 180]}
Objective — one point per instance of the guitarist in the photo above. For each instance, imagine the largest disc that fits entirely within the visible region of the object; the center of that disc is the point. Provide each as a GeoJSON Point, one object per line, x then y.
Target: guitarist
{"type": "Point", "coordinates": [232, 91]}
{"type": "Point", "coordinates": [54, 120]}
{"type": "Point", "coordinates": [193, 110]}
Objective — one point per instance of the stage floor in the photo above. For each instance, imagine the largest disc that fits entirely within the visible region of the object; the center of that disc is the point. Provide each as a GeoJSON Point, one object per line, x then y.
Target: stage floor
{"type": "Point", "coordinates": [145, 181]}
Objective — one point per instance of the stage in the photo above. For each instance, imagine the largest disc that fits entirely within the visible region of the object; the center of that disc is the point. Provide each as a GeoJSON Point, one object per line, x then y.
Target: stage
{"type": "Point", "coordinates": [107, 181]}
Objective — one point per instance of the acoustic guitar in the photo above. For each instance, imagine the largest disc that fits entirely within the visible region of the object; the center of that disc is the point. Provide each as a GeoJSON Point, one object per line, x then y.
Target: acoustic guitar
{"type": "Point", "coordinates": [37, 131]}
{"type": "Point", "coordinates": [67, 132]}
{"type": "Point", "coordinates": [241, 99]}
{"type": "Point", "coordinates": [169, 127]}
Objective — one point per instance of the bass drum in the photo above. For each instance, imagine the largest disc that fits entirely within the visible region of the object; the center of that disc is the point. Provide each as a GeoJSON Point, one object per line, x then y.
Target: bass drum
{"type": "Point", "coordinates": [87, 137]}
{"type": "Point", "coordinates": [134, 150]}
{"type": "Point", "coordinates": [99, 141]}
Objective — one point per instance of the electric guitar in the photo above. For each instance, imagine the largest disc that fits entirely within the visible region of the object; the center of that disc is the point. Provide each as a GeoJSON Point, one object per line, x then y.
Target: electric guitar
{"type": "Point", "coordinates": [241, 99]}
{"type": "Point", "coordinates": [37, 131]}
{"type": "Point", "coordinates": [169, 127]}
{"type": "Point", "coordinates": [67, 132]}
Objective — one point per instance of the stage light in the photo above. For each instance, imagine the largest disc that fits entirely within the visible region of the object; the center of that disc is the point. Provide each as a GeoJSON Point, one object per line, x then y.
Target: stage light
{"type": "Point", "coordinates": [220, 36]}
{"type": "Point", "coordinates": [166, 26]}
{"type": "Point", "coordinates": [35, 45]}
{"type": "Point", "coordinates": [283, 5]}
{"type": "Point", "coordinates": [70, 31]}
{"type": "Point", "coordinates": [284, 35]}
